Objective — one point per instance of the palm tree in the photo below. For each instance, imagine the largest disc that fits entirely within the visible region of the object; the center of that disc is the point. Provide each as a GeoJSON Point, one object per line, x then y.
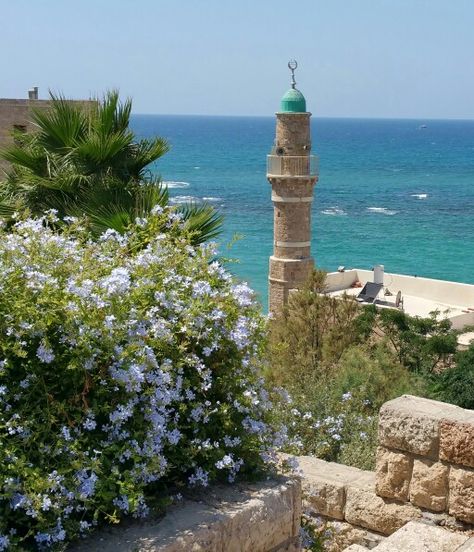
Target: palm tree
{"type": "Point", "coordinates": [85, 160]}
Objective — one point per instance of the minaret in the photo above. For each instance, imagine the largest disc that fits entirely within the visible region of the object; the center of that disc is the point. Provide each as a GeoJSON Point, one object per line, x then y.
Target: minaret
{"type": "Point", "coordinates": [292, 173]}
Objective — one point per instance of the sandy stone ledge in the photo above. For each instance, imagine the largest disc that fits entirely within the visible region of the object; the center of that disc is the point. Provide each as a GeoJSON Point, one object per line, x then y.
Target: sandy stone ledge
{"type": "Point", "coordinates": [263, 517]}
{"type": "Point", "coordinates": [419, 537]}
{"type": "Point", "coordinates": [457, 440]}
{"type": "Point", "coordinates": [461, 494]}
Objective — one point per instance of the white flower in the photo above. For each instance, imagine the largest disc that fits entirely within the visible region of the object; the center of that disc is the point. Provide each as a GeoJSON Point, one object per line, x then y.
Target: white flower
{"type": "Point", "coordinates": [201, 288]}
{"type": "Point", "coordinates": [243, 294]}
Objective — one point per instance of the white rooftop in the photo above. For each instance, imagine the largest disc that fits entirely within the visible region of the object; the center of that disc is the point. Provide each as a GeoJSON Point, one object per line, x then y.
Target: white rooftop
{"type": "Point", "coordinates": [421, 296]}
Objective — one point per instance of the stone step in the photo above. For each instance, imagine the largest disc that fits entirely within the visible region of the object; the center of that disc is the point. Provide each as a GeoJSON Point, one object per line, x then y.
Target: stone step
{"type": "Point", "coordinates": [421, 537]}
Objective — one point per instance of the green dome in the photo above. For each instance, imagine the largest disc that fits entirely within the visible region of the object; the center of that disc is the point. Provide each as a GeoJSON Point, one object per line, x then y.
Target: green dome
{"type": "Point", "coordinates": [293, 102]}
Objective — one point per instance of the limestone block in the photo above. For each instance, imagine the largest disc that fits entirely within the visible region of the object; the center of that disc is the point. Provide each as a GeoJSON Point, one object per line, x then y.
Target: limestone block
{"type": "Point", "coordinates": [258, 518]}
{"type": "Point", "coordinates": [461, 493]}
{"type": "Point", "coordinates": [365, 508]}
{"type": "Point", "coordinates": [345, 534]}
{"type": "Point", "coordinates": [393, 472]}
{"type": "Point", "coordinates": [290, 270]}
{"type": "Point", "coordinates": [411, 424]}
{"type": "Point", "coordinates": [419, 537]}
{"type": "Point", "coordinates": [429, 485]}
{"type": "Point", "coordinates": [324, 484]}
{"type": "Point", "coordinates": [326, 497]}
{"type": "Point", "coordinates": [457, 441]}
{"type": "Point", "coordinates": [468, 546]}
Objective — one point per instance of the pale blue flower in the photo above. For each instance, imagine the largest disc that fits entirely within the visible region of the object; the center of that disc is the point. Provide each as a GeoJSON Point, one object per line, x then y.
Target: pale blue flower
{"type": "Point", "coordinates": [199, 477]}
{"type": "Point", "coordinates": [4, 542]}
{"type": "Point", "coordinates": [45, 354]}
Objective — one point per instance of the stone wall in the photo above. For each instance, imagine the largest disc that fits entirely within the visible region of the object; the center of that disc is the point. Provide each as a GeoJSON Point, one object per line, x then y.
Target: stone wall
{"type": "Point", "coordinates": [421, 497]}
{"type": "Point", "coordinates": [426, 456]}
{"type": "Point", "coordinates": [424, 473]}
{"type": "Point", "coordinates": [263, 517]}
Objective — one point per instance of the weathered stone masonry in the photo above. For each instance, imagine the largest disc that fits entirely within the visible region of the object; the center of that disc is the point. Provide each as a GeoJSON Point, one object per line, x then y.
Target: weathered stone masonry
{"type": "Point", "coordinates": [263, 517]}
{"type": "Point", "coordinates": [424, 475]}
{"type": "Point", "coordinates": [292, 176]}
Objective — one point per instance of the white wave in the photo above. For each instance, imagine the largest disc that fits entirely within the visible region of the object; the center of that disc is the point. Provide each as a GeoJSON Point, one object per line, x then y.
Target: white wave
{"type": "Point", "coordinates": [183, 199]}
{"type": "Point", "coordinates": [420, 196]}
{"type": "Point", "coordinates": [197, 168]}
{"type": "Point", "coordinates": [212, 199]}
{"type": "Point", "coordinates": [334, 211]}
{"type": "Point", "coordinates": [175, 184]}
{"type": "Point", "coordinates": [382, 210]}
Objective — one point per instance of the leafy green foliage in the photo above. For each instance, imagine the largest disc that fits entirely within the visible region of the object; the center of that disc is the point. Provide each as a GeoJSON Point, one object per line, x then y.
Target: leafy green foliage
{"type": "Point", "coordinates": [315, 533]}
{"type": "Point", "coordinates": [340, 361]}
{"type": "Point", "coordinates": [456, 385]}
{"type": "Point", "coordinates": [312, 333]}
{"type": "Point", "coordinates": [85, 160]}
{"type": "Point", "coordinates": [127, 375]}
{"type": "Point", "coordinates": [421, 344]}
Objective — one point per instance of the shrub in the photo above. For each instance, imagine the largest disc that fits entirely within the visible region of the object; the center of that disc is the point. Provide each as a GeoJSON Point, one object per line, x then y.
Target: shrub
{"type": "Point", "coordinates": [456, 385]}
{"type": "Point", "coordinates": [423, 345]}
{"type": "Point", "coordinates": [339, 363]}
{"type": "Point", "coordinates": [312, 333]}
{"type": "Point", "coordinates": [127, 372]}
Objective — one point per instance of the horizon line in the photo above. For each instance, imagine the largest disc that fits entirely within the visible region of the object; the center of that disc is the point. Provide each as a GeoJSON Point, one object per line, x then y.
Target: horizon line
{"type": "Point", "coordinates": [355, 117]}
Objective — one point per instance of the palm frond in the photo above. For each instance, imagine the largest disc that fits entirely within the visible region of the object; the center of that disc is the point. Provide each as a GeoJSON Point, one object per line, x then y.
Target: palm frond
{"type": "Point", "coordinates": [147, 152]}
{"type": "Point", "coordinates": [202, 221]}
{"type": "Point", "coordinates": [85, 160]}
{"type": "Point", "coordinates": [62, 126]}
{"type": "Point", "coordinates": [102, 149]}
{"type": "Point", "coordinates": [6, 210]}
{"type": "Point", "coordinates": [18, 156]}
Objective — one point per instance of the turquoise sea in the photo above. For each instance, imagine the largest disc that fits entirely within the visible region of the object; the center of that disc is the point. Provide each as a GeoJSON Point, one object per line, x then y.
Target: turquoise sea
{"type": "Point", "coordinates": [395, 192]}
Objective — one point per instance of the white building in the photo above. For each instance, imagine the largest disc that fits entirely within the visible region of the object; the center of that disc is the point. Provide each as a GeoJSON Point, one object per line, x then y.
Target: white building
{"type": "Point", "coordinates": [420, 296]}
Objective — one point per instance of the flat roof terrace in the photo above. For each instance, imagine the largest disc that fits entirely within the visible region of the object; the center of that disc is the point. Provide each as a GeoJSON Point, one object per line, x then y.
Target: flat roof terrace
{"type": "Point", "coordinates": [421, 296]}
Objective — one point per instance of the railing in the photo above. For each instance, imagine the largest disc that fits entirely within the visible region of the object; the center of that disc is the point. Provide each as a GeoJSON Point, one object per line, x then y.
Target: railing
{"type": "Point", "coordinates": [292, 165]}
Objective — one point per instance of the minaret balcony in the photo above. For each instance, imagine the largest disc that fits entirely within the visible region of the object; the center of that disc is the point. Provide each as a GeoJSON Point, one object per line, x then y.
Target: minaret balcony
{"type": "Point", "coordinates": [292, 165]}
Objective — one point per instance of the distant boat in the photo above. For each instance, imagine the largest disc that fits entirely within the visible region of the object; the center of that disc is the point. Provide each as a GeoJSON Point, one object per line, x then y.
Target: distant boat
{"type": "Point", "coordinates": [422, 126]}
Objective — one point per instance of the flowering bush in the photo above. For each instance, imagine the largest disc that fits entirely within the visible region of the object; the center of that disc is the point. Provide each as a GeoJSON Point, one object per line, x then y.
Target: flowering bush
{"type": "Point", "coordinates": [342, 428]}
{"type": "Point", "coordinates": [127, 369]}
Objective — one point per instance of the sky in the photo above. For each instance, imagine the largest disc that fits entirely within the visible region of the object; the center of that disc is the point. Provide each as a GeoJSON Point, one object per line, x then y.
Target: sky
{"type": "Point", "coordinates": [357, 58]}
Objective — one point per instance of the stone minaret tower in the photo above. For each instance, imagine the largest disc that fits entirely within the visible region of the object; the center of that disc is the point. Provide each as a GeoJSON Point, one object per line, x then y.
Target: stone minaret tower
{"type": "Point", "coordinates": [292, 173]}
